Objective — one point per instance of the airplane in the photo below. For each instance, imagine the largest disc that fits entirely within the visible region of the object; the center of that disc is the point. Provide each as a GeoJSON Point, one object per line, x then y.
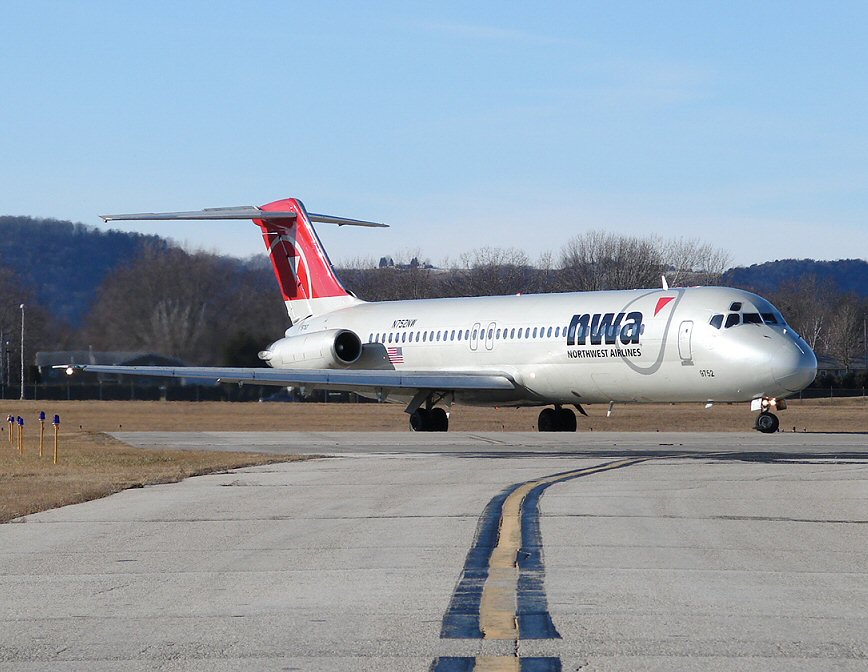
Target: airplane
{"type": "Point", "coordinates": [561, 351]}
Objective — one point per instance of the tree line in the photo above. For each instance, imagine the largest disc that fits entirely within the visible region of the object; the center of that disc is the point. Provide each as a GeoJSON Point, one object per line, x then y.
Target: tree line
{"type": "Point", "coordinates": [214, 310]}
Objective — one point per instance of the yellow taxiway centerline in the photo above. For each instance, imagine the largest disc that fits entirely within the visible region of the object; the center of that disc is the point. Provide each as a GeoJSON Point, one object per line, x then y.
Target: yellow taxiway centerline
{"type": "Point", "coordinates": [497, 610]}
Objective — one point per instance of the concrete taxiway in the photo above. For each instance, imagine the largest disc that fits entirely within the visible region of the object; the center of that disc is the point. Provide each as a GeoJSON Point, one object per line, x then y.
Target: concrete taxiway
{"type": "Point", "coordinates": [458, 552]}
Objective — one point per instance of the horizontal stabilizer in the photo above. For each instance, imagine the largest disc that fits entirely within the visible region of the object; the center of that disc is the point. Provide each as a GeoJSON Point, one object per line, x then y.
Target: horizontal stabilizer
{"type": "Point", "coordinates": [238, 212]}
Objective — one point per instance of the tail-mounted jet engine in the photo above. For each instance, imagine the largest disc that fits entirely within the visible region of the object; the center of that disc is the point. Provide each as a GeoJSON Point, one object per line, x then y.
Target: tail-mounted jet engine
{"type": "Point", "coordinates": [331, 349]}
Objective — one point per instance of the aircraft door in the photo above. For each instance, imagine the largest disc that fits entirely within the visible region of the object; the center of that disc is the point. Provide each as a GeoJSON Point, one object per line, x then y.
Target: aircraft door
{"type": "Point", "coordinates": [474, 336]}
{"type": "Point", "coordinates": [685, 335]}
{"type": "Point", "coordinates": [489, 335]}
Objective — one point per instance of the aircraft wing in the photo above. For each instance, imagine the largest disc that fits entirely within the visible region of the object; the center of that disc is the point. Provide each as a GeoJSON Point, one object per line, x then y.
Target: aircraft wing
{"type": "Point", "coordinates": [335, 379]}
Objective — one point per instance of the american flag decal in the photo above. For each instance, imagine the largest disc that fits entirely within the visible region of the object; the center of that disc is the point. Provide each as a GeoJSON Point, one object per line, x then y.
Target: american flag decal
{"type": "Point", "coordinates": [396, 355]}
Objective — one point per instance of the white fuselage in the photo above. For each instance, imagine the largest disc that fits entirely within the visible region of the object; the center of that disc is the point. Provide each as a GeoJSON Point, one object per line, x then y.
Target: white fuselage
{"type": "Point", "coordinates": [589, 347]}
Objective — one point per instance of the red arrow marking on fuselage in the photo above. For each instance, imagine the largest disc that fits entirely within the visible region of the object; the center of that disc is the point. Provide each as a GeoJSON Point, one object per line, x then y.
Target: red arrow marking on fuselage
{"type": "Point", "coordinates": [661, 303]}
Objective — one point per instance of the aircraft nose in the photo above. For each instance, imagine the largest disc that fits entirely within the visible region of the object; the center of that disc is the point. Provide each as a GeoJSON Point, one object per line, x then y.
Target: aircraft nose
{"type": "Point", "coordinates": [794, 367]}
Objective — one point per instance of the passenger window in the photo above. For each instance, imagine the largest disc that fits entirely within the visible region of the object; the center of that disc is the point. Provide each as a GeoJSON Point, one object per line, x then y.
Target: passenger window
{"type": "Point", "coordinates": [557, 332]}
{"type": "Point", "coordinates": [390, 337]}
{"type": "Point", "coordinates": [752, 318]}
{"type": "Point", "coordinates": [716, 321]}
{"type": "Point", "coordinates": [490, 334]}
{"type": "Point", "coordinates": [549, 332]}
{"type": "Point", "coordinates": [534, 332]}
{"type": "Point", "coordinates": [425, 336]}
{"type": "Point", "coordinates": [474, 334]}
{"type": "Point", "coordinates": [527, 332]}
{"type": "Point", "coordinates": [732, 319]}
{"type": "Point", "coordinates": [438, 335]}
{"type": "Point", "coordinates": [404, 337]}
{"type": "Point", "coordinates": [466, 334]}
{"type": "Point", "coordinates": [512, 333]}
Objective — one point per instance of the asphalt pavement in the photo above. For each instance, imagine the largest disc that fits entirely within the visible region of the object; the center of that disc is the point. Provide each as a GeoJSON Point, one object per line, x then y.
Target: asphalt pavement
{"type": "Point", "coordinates": [458, 552]}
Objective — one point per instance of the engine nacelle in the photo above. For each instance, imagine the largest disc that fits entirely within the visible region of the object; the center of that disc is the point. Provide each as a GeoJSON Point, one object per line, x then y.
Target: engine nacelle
{"type": "Point", "coordinates": [331, 349]}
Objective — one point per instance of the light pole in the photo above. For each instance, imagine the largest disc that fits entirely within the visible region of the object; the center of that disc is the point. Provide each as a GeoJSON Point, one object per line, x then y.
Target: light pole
{"type": "Point", "coordinates": [22, 351]}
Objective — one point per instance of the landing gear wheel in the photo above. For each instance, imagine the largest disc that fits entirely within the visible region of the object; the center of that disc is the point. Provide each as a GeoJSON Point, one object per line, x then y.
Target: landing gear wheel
{"type": "Point", "coordinates": [565, 420]}
{"type": "Point", "coordinates": [547, 421]}
{"type": "Point", "coordinates": [438, 420]}
{"type": "Point", "coordinates": [419, 420]}
{"type": "Point", "coordinates": [767, 423]}
{"type": "Point", "coordinates": [425, 420]}
{"type": "Point", "coordinates": [556, 420]}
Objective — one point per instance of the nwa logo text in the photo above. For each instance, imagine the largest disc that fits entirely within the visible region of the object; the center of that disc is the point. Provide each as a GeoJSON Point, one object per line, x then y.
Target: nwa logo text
{"type": "Point", "coordinates": [607, 328]}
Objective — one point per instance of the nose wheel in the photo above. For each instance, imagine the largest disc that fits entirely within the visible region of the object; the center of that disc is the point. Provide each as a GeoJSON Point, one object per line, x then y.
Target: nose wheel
{"type": "Point", "coordinates": [767, 423]}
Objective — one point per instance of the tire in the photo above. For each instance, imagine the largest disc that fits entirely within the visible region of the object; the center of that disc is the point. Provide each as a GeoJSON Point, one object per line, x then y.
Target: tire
{"type": "Point", "coordinates": [419, 420]}
{"type": "Point", "coordinates": [767, 423]}
{"type": "Point", "coordinates": [438, 421]}
{"type": "Point", "coordinates": [565, 420]}
{"type": "Point", "coordinates": [547, 421]}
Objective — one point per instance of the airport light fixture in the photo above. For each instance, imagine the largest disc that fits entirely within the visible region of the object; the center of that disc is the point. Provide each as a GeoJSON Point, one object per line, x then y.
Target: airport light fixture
{"type": "Point", "coordinates": [22, 351]}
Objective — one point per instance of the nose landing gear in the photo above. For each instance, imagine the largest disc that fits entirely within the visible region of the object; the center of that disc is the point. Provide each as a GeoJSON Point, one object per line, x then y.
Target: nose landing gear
{"type": "Point", "coordinates": [767, 423]}
{"type": "Point", "coordinates": [557, 419]}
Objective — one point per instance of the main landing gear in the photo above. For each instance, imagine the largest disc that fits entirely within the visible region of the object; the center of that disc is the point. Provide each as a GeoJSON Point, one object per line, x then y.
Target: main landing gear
{"type": "Point", "coordinates": [557, 419]}
{"type": "Point", "coordinates": [429, 420]}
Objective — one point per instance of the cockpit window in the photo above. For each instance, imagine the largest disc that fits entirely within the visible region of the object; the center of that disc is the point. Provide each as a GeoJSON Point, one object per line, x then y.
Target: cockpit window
{"type": "Point", "coordinates": [716, 321]}
{"type": "Point", "coordinates": [769, 318]}
{"type": "Point", "coordinates": [735, 306]}
{"type": "Point", "coordinates": [732, 319]}
{"type": "Point", "coordinates": [752, 318]}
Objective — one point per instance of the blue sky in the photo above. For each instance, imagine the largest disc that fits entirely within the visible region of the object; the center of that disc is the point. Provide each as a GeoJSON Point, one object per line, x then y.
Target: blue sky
{"type": "Point", "coordinates": [460, 124]}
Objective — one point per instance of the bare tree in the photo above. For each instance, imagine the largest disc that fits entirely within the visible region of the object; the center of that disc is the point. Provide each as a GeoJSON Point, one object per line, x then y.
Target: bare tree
{"type": "Point", "coordinates": [599, 260]}
{"type": "Point", "coordinates": [842, 337]}
{"type": "Point", "coordinates": [42, 330]}
{"type": "Point", "coordinates": [183, 304]}
{"type": "Point", "coordinates": [689, 261]}
{"type": "Point", "coordinates": [806, 304]}
{"type": "Point", "coordinates": [488, 271]}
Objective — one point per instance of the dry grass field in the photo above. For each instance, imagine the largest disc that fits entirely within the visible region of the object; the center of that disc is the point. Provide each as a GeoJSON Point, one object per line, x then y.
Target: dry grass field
{"type": "Point", "coordinates": [93, 465]}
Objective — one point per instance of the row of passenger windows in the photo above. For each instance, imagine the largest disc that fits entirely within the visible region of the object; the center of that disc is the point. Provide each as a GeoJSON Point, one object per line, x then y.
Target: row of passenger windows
{"type": "Point", "coordinates": [466, 335]}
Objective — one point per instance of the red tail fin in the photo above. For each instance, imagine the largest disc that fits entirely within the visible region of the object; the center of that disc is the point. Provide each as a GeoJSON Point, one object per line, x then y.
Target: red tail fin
{"type": "Point", "coordinates": [304, 272]}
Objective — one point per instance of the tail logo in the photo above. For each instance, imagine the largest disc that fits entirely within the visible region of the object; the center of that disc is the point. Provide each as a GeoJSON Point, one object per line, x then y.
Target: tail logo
{"type": "Point", "coordinates": [290, 262]}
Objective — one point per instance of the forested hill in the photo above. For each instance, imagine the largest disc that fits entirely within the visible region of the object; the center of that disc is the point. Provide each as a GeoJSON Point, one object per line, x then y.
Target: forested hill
{"type": "Point", "coordinates": [847, 275]}
{"type": "Point", "coordinates": [65, 262]}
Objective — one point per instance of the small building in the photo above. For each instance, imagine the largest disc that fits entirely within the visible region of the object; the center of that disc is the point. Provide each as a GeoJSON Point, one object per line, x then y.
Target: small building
{"type": "Point", "coordinates": [48, 374]}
